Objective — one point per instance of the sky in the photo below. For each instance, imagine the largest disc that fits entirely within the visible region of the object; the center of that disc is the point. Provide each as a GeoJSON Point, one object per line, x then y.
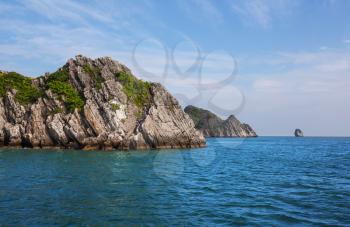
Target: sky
{"type": "Point", "coordinates": [275, 64]}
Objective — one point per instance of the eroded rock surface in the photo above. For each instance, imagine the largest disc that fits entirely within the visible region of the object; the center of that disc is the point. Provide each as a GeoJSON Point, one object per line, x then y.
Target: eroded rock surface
{"type": "Point", "coordinates": [94, 104]}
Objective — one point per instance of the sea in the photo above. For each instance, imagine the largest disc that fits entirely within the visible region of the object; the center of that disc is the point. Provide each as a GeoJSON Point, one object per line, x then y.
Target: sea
{"type": "Point", "coordinates": [264, 181]}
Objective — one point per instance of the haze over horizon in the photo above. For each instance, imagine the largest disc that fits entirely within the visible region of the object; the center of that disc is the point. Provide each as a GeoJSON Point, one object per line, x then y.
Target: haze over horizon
{"type": "Point", "coordinates": [292, 58]}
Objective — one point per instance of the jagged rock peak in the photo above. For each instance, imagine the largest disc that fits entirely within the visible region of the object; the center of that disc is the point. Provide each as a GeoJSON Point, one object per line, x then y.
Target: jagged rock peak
{"type": "Point", "coordinates": [91, 104]}
{"type": "Point", "coordinates": [213, 126]}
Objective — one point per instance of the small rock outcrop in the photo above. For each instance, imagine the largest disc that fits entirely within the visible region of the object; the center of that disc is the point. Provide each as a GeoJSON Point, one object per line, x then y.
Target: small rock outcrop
{"type": "Point", "coordinates": [213, 126]}
{"type": "Point", "coordinates": [298, 133]}
{"type": "Point", "coordinates": [91, 104]}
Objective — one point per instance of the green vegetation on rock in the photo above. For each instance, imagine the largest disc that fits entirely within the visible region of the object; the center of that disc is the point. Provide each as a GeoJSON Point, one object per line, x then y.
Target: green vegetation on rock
{"type": "Point", "coordinates": [201, 116]}
{"type": "Point", "coordinates": [136, 90]}
{"type": "Point", "coordinates": [55, 111]}
{"type": "Point", "coordinates": [95, 73]}
{"type": "Point", "coordinates": [115, 106]}
{"type": "Point", "coordinates": [26, 92]}
{"type": "Point", "coordinates": [58, 83]}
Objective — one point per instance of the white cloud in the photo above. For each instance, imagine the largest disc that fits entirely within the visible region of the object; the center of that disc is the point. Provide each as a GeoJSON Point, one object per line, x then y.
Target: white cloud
{"type": "Point", "coordinates": [325, 59]}
{"type": "Point", "coordinates": [254, 10]}
{"type": "Point", "coordinates": [324, 48]}
{"type": "Point", "coordinates": [306, 84]}
{"type": "Point", "coordinates": [262, 12]}
{"type": "Point", "coordinates": [50, 32]}
{"type": "Point", "coordinates": [206, 8]}
{"type": "Point", "coordinates": [267, 85]}
{"type": "Point", "coordinates": [337, 65]}
{"type": "Point", "coordinates": [311, 93]}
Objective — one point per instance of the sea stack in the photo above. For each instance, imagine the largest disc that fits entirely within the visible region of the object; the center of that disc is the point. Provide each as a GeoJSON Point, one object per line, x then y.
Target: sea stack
{"type": "Point", "coordinates": [92, 104]}
{"type": "Point", "coordinates": [213, 126]}
{"type": "Point", "coordinates": [298, 133]}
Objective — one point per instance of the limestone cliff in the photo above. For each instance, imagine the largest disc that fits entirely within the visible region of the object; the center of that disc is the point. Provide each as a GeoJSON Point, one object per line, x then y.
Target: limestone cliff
{"type": "Point", "coordinates": [213, 126]}
{"type": "Point", "coordinates": [91, 104]}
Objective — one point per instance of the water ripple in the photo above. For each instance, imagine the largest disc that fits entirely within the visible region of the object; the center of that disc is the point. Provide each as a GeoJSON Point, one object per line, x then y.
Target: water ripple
{"type": "Point", "coordinates": [266, 181]}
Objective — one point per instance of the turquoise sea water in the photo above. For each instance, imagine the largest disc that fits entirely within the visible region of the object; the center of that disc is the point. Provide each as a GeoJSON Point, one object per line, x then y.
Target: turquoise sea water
{"type": "Point", "coordinates": [260, 181]}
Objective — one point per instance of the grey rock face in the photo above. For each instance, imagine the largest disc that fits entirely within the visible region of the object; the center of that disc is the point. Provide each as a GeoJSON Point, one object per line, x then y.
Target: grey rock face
{"type": "Point", "coordinates": [109, 118]}
{"type": "Point", "coordinates": [213, 126]}
{"type": "Point", "coordinates": [298, 133]}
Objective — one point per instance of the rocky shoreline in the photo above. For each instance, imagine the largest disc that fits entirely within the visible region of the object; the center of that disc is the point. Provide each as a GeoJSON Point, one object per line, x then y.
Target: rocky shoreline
{"type": "Point", "coordinates": [91, 104]}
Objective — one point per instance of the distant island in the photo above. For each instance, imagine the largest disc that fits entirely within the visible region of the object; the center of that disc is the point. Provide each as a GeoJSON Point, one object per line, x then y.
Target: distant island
{"type": "Point", "coordinates": [298, 133]}
{"type": "Point", "coordinates": [213, 126]}
{"type": "Point", "coordinates": [91, 104]}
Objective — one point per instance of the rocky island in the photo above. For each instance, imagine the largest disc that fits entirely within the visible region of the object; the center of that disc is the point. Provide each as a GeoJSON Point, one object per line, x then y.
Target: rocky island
{"type": "Point", "coordinates": [91, 104]}
{"type": "Point", "coordinates": [298, 133]}
{"type": "Point", "coordinates": [213, 126]}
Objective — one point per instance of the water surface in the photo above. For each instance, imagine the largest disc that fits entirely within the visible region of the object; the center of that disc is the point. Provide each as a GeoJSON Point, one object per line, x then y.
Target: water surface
{"type": "Point", "coordinates": [259, 181]}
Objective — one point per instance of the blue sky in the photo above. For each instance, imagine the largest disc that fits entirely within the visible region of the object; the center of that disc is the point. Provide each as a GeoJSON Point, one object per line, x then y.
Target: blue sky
{"type": "Point", "coordinates": [289, 59]}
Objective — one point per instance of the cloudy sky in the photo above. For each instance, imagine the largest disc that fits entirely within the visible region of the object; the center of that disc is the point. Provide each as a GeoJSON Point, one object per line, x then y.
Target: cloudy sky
{"type": "Point", "coordinates": [276, 64]}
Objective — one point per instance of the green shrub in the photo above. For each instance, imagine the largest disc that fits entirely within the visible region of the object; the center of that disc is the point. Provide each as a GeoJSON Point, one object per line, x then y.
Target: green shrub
{"type": "Point", "coordinates": [139, 113]}
{"type": "Point", "coordinates": [95, 73]}
{"type": "Point", "coordinates": [58, 83]}
{"type": "Point", "coordinates": [26, 92]}
{"type": "Point", "coordinates": [136, 90]}
{"type": "Point", "coordinates": [60, 75]}
{"type": "Point", "coordinates": [55, 111]}
{"type": "Point", "coordinates": [115, 106]}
